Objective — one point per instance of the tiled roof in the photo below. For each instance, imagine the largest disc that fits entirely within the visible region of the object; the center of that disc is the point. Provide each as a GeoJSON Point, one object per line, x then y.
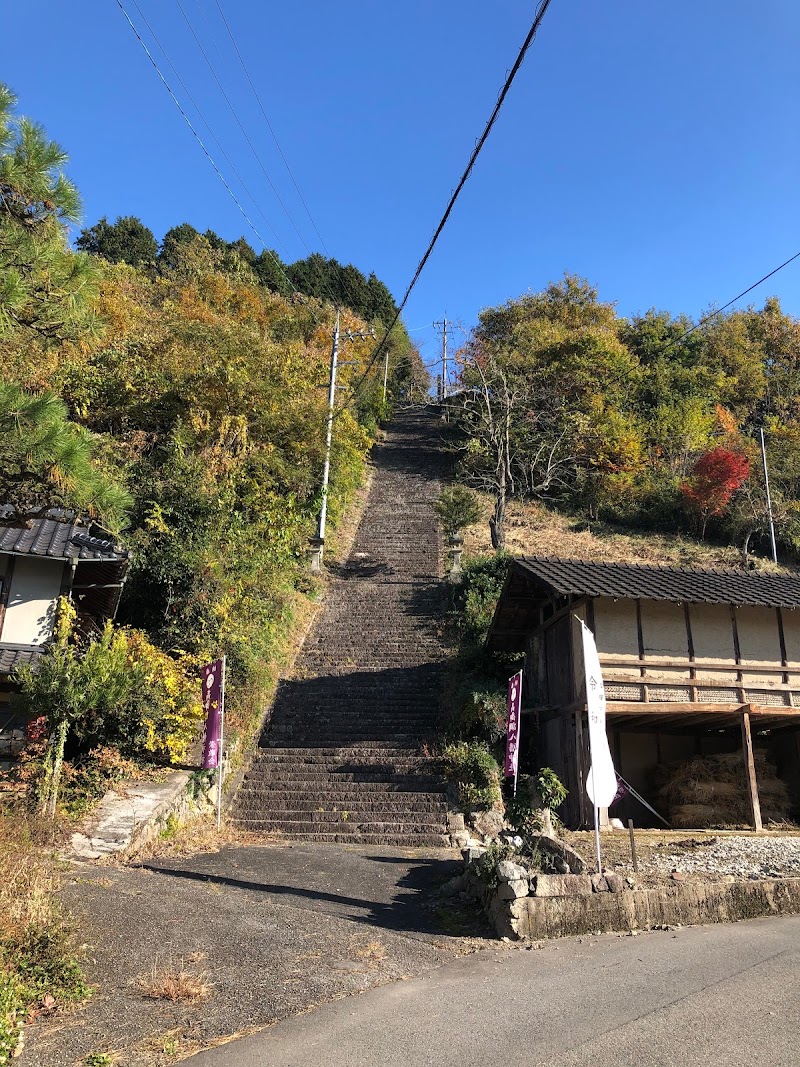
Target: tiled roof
{"type": "Point", "coordinates": [11, 656]}
{"type": "Point", "coordinates": [690, 585]}
{"type": "Point", "coordinates": [59, 535]}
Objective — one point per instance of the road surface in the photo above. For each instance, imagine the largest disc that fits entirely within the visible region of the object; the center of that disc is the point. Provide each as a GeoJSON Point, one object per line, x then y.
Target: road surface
{"type": "Point", "coordinates": [716, 996]}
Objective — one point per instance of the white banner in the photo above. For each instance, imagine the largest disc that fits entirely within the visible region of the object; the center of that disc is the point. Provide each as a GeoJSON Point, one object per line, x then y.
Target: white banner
{"type": "Point", "coordinates": [601, 782]}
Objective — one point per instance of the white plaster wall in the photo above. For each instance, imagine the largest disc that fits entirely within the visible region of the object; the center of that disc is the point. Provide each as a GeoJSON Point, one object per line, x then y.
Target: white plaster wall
{"type": "Point", "coordinates": [664, 638]}
{"type": "Point", "coordinates": [712, 636]}
{"type": "Point", "coordinates": [617, 634]}
{"type": "Point", "coordinates": [35, 586]}
{"type": "Point", "coordinates": [759, 642]}
{"type": "Point", "coordinates": [791, 635]}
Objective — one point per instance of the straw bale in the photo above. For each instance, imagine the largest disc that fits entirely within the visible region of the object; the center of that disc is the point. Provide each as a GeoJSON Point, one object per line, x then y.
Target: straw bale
{"type": "Point", "coordinates": [708, 791]}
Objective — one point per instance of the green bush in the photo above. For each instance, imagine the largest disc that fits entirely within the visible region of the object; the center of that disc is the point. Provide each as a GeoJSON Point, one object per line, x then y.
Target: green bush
{"type": "Point", "coordinates": [477, 594]}
{"type": "Point", "coordinates": [457, 508]}
{"type": "Point", "coordinates": [475, 772]}
{"type": "Point", "coordinates": [477, 709]}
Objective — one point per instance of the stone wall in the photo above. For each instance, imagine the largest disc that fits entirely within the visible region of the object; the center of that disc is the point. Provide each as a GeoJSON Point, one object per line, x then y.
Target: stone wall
{"type": "Point", "coordinates": [525, 905]}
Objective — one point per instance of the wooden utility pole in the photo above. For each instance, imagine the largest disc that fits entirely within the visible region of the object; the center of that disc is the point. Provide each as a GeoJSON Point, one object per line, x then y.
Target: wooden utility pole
{"type": "Point", "coordinates": [750, 773]}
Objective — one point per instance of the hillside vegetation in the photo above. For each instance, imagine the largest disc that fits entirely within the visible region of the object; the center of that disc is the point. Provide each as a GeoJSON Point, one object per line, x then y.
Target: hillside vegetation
{"type": "Point", "coordinates": [650, 422]}
{"type": "Point", "coordinates": [176, 391]}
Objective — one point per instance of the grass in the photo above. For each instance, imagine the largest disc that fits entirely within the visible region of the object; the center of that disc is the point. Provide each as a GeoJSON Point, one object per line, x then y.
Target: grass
{"type": "Point", "coordinates": [176, 982]}
{"type": "Point", "coordinates": [535, 529]}
{"type": "Point", "coordinates": [39, 968]}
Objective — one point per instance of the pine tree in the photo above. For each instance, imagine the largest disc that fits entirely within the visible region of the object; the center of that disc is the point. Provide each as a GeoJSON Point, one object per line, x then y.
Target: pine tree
{"type": "Point", "coordinates": [44, 286]}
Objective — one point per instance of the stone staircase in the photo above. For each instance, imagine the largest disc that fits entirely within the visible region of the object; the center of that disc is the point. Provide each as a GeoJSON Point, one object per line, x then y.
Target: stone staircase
{"type": "Point", "coordinates": [342, 758]}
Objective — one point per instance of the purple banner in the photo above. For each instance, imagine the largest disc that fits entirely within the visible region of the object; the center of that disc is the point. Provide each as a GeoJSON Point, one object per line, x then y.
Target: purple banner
{"type": "Point", "coordinates": [512, 724]}
{"type": "Point", "coordinates": [212, 706]}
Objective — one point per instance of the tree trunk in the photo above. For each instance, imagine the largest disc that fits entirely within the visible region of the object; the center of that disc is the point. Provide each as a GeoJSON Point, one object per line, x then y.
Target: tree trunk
{"type": "Point", "coordinates": [497, 521]}
{"type": "Point", "coordinates": [53, 762]}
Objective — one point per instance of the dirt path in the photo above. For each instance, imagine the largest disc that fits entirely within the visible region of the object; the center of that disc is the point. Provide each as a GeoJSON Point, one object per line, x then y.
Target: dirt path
{"type": "Point", "coordinates": [274, 929]}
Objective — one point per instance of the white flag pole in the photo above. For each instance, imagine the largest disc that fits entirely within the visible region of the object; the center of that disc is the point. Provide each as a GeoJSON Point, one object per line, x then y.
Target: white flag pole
{"type": "Point", "coordinates": [221, 750]}
{"type": "Point", "coordinates": [602, 783]}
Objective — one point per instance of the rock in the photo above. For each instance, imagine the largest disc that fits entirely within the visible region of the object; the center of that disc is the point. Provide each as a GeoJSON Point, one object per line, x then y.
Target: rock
{"type": "Point", "coordinates": [487, 823]}
{"type": "Point", "coordinates": [615, 883]}
{"type": "Point", "coordinates": [507, 871]}
{"type": "Point", "coordinates": [471, 855]}
{"type": "Point", "coordinates": [560, 854]}
{"type": "Point", "coordinates": [599, 883]}
{"type": "Point", "coordinates": [561, 885]}
{"type": "Point", "coordinates": [453, 887]}
{"type": "Point", "coordinates": [678, 876]}
{"type": "Point", "coordinates": [461, 838]}
{"type": "Point", "coordinates": [511, 890]}
{"type": "Point", "coordinates": [455, 823]}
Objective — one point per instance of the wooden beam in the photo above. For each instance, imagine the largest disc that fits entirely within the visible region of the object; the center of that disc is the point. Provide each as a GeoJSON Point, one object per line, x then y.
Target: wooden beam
{"type": "Point", "coordinates": [621, 708]}
{"type": "Point", "coordinates": [750, 773]}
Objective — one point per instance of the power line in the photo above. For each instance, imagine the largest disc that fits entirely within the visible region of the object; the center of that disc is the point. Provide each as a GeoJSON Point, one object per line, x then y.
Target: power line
{"type": "Point", "coordinates": [269, 127]}
{"type": "Point", "coordinates": [239, 123]}
{"type": "Point", "coordinates": [539, 15]}
{"type": "Point", "coordinates": [713, 314]}
{"type": "Point", "coordinates": [207, 125]}
{"type": "Point", "coordinates": [206, 152]}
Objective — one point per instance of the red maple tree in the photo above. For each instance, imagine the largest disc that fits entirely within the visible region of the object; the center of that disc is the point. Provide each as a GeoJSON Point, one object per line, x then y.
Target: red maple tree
{"type": "Point", "coordinates": [714, 479]}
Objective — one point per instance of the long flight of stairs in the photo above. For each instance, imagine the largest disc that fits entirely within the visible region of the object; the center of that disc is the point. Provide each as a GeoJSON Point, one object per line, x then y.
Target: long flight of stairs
{"type": "Point", "coordinates": [341, 759]}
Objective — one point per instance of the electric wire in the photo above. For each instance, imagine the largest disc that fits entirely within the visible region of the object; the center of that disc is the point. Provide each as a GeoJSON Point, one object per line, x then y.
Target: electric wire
{"type": "Point", "coordinates": [541, 10]}
{"type": "Point", "coordinates": [209, 157]}
{"type": "Point", "coordinates": [241, 126]}
{"type": "Point", "coordinates": [207, 125]}
{"type": "Point", "coordinates": [712, 314]}
{"type": "Point", "coordinates": [269, 127]}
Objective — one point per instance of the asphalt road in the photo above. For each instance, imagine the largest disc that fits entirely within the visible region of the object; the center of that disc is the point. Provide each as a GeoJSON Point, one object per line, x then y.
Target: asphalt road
{"type": "Point", "coordinates": [710, 996]}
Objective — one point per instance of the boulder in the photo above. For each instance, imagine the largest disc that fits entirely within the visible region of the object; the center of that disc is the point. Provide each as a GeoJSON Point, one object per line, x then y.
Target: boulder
{"type": "Point", "coordinates": [508, 871]}
{"type": "Point", "coordinates": [615, 883]}
{"type": "Point", "coordinates": [559, 851]}
{"type": "Point", "coordinates": [455, 823]}
{"type": "Point", "coordinates": [518, 887]}
{"type": "Point", "coordinates": [487, 823]}
{"type": "Point", "coordinates": [599, 883]}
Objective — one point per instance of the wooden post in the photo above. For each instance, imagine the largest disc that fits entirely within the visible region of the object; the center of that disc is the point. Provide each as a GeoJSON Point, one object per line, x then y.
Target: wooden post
{"type": "Point", "coordinates": [750, 773]}
{"type": "Point", "coordinates": [633, 847]}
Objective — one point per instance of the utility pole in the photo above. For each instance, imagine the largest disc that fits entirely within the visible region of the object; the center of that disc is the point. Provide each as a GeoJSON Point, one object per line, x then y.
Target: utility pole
{"type": "Point", "coordinates": [318, 543]}
{"type": "Point", "coordinates": [443, 327]}
{"type": "Point", "coordinates": [769, 498]}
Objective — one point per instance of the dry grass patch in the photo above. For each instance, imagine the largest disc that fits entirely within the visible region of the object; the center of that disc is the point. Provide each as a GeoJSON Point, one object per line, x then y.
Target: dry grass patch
{"type": "Point", "coordinates": [372, 952]}
{"type": "Point", "coordinates": [537, 530]}
{"type": "Point", "coordinates": [175, 982]}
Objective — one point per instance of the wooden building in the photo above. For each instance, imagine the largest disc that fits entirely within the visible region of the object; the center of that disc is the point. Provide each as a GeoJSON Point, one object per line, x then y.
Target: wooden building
{"type": "Point", "coordinates": [42, 559]}
{"type": "Point", "coordinates": [694, 662]}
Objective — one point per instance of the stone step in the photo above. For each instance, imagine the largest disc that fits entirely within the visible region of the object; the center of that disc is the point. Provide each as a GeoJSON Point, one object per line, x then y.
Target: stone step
{"type": "Point", "coordinates": [295, 805]}
{"type": "Point", "coordinates": [405, 840]}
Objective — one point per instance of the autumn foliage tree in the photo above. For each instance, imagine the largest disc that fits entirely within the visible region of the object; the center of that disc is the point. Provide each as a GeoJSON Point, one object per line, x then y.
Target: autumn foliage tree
{"type": "Point", "coordinates": [714, 479]}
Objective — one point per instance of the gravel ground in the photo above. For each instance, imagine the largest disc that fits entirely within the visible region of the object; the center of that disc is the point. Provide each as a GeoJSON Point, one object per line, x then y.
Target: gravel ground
{"type": "Point", "coordinates": [705, 855]}
{"type": "Point", "coordinates": [742, 857]}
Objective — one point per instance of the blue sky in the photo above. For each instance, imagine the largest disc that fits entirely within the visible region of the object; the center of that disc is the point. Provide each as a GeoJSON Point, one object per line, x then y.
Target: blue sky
{"type": "Point", "coordinates": [652, 148]}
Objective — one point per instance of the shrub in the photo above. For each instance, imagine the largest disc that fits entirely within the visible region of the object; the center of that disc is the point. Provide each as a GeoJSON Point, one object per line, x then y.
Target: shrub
{"type": "Point", "coordinates": [114, 689]}
{"type": "Point", "coordinates": [478, 592]}
{"type": "Point", "coordinates": [475, 772]}
{"type": "Point", "coordinates": [535, 792]}
{"type": "Point", "coordinates": [478, 709]}
{"type": "Point", "coordinates": [457, 508]}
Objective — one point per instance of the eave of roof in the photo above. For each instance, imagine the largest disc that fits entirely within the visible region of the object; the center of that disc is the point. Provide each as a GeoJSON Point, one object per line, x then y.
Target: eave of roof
{"type": "Point", "coordinates": [534, 580]}
{"type": "Point", "coordinates": [60, 535]}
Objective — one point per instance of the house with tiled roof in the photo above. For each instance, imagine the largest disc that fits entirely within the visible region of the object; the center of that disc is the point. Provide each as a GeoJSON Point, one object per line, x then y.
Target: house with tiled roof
{"type": "Point", "coordinates": [41, 559]}
{"type": "Point", "coordinates": [694, 661]}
